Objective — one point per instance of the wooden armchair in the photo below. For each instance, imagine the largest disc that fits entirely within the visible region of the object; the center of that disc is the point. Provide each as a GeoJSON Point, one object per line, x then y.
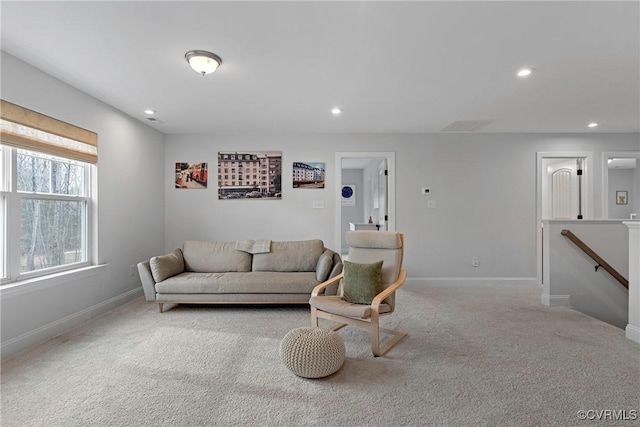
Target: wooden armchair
{"type": "Point", "coordinates": [365, 247]}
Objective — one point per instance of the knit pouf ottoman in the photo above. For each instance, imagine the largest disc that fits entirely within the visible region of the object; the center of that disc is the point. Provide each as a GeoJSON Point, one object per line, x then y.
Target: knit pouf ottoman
{"type": "Point", "coordinates": [312, 352]}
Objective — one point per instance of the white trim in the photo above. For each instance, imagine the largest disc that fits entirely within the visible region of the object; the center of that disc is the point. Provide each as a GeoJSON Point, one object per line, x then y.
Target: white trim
{"type": "Point", "coordinates": [633, 333]}
{"type": "Point", "coordinates": [60, 326]}
{"type": "Point", "coordinates": [633, 327]}
{"type": "Point", "coordinates": [555, 300]}
{"type": "Point", "coordinates": [473, 280]}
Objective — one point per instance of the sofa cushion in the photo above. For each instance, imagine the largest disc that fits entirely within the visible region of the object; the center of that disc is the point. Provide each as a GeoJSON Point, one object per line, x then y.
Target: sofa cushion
{"type": "Point", "coordinates": [165, 266]}
{"type": "Point", "coordinates": [299, 255]}
{"type": "Point", "coordinates": [267, 282]}
{"type": "Point", "coordinates": [214, 257]}
{"type": "Point", "coordinates": [323, 268]}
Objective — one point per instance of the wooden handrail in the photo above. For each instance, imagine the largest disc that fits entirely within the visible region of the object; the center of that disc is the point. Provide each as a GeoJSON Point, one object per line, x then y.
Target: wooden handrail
{"type": "Point", "coordinates": [594, 256]}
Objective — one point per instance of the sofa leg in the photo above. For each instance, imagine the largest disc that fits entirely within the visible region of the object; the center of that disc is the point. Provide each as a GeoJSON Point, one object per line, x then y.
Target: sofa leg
{"type": "Point", "coordinates": [160, 307]}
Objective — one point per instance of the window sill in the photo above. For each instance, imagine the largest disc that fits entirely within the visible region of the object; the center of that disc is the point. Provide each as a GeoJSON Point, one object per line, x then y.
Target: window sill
{"type": "Point", "coordinates": [13, 289]}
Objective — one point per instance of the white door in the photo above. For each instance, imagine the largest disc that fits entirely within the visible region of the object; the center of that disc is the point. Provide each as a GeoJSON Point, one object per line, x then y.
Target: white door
{"type": "Point", "coordinates": [382, 195]}
{"type": "Point", "coordinates": [561, 189]}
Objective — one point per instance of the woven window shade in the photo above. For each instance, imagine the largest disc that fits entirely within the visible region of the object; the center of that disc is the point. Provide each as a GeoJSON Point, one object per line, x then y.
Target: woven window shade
{"type": "Point", "coordinates": [23, 128]}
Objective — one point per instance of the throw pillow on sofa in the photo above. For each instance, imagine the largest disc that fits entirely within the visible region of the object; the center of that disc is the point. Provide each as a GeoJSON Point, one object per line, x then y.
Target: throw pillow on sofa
{"type": "Point", "coordinates": [165, 266]}
{"type": "Point", "coordinates": [325, 263]}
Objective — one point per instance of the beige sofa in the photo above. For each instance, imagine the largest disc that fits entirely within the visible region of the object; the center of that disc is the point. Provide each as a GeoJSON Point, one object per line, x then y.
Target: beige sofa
{"type": "Point", "coordinates": [236, 273]}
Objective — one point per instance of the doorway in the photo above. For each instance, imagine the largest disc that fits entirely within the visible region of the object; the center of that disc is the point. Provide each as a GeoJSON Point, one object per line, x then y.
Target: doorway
{"type": "Point", "coordinates": [621, 185]}
{"type": "Point", "coordinates": [373, 197]}
{"type": "Point", "coordinates": [564, 190]}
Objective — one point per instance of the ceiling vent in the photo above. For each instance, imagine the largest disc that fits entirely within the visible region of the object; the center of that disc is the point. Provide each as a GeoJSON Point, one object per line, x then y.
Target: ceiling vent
{"type": "Point", "coordinates": [153, 119]}
{"type": "Point", "coordinates": [467, 125]}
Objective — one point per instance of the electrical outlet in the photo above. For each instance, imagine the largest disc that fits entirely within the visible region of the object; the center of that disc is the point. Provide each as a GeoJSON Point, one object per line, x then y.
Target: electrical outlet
{"type": "Point", "coordinates": [475, 262]}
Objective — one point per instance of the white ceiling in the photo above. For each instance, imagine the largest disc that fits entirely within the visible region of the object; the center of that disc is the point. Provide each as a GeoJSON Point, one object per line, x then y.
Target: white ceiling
{"type": "Point", "coordinates": [392, 66]}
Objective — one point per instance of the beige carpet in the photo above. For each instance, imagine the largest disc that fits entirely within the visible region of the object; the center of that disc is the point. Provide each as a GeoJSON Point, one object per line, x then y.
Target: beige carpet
{"type": "Point", "coordinates": [475, 355]}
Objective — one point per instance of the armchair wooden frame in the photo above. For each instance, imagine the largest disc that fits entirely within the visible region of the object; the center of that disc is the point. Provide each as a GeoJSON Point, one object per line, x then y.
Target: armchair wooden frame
{"type": "Point", "coordinates": [372, 324]}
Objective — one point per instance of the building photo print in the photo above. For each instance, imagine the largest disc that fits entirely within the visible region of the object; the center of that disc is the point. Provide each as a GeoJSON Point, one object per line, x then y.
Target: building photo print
{"type": "Point", "coordinates": [250, 175]}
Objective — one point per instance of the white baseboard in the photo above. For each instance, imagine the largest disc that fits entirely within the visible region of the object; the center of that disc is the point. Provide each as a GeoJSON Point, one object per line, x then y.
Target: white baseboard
{"type": "Point", "coordinates": [473, 280]}
{"type": "Point", "coordinates": [633, 333]}
{"type": "Point", "coordinates": [60, 326]}
{"type": "Point", "coordinates": [555, 300]}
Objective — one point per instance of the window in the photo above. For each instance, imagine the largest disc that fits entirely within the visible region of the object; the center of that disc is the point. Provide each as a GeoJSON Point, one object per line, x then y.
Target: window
{"type": "Point", "coordinates": [47, 167]}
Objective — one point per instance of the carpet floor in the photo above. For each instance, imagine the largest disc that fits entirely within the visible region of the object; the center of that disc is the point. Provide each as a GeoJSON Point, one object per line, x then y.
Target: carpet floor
{"type": "Point", "coordinates": [474, 356]}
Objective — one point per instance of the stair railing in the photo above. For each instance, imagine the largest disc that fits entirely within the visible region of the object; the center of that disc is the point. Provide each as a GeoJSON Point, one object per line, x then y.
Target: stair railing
{"type": "Point", "coordinates": [597, 258]}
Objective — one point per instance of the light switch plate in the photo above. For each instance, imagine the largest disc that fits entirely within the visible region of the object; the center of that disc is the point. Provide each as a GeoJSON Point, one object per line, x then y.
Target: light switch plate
{"type": "Point", "coordinates": [431, 204]}
{"type": "Point", "coordinates": [318, 204]}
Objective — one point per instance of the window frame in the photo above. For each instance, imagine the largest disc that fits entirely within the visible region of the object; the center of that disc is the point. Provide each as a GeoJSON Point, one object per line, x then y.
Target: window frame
{"type": "Point", "coordinates": [11, 228]}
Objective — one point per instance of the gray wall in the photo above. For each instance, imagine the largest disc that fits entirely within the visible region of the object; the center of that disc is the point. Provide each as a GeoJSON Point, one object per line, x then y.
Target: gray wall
{"type": "Point", "coordinates": [130, 210]}
{"type": "Point", "coordinates": [570, 278]}
{"type": "Point", "coordinates": [484, 186]}
{"type": "Point", "coordinates": [355, 213]}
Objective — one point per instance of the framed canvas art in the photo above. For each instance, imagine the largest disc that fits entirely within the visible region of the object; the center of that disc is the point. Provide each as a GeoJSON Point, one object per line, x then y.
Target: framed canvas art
{"type": "Point", "coordinates": [621, 198]}
{"type": "Point", "coordinates": [308, 175]}
{"type": "Point", "coordinates": [255, 175]}
{"type": "Point", "coordinates": [191, 175]}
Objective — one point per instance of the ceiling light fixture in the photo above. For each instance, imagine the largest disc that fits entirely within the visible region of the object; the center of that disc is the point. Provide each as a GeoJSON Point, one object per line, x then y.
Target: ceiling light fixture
{"type": "Point", "coordinates": [335, 111]}
{"type": "Point", "coordinates": [525, 72]}
{"type": "Point", "coordinates": [593, 125]}
{"type": "Point", "coordinates": [149, 111]}
{"type": "Point", "coordinates": [203, 62]}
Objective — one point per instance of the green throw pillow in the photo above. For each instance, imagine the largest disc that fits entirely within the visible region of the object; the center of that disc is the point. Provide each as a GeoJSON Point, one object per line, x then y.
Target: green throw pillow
{"type": "Point", "coordinates": [362, 282]}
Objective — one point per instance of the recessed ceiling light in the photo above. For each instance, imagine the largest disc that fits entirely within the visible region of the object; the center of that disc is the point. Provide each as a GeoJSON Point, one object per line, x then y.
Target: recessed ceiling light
{"type": "Point", "coordinates": [593, 125]}
{"type": "Point", "coordinates": [335, 111]}
{"type": "Point", "coordinates": [149, 111]}
{"type": "Point", "coordinates": [524, 72]}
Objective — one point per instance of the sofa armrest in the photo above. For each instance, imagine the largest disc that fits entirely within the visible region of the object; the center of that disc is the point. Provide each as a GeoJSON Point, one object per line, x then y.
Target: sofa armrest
{"type": "Point", "coordinates": [148, 284]}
